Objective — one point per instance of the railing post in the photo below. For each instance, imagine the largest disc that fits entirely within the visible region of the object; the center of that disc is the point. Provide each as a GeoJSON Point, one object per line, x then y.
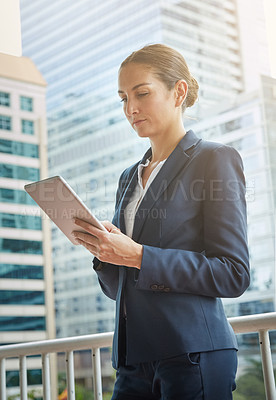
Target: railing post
{"type": "Point", "coordinates": [23, 378]}
{"type": "Point", "coordinates": [97, 376]}
{"type": "Point", "coordinates": [267, 365]}
{"type": "Point", "coordinates": [70, 375]}
{"type": "Point", "coordinates": [46, 377]}
{"type": "Point", "coordinates": [2, 379]}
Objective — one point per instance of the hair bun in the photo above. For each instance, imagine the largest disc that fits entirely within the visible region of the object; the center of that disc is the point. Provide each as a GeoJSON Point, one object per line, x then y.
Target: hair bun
{"type": "Point", "coordinates": [192, 92]}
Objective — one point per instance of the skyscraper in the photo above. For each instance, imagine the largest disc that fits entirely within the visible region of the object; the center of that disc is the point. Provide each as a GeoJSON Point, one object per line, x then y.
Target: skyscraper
{"type": "Point", "coordinates": [78, 47]}
{"type": "Point", "coordinates": [26, 285]}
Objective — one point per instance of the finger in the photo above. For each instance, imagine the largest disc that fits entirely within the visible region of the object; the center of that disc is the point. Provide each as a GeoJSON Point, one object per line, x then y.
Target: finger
{"type": "Point", "coordinates": [86, 237]}
{"type": "Point", "coordinates": [88, 246]}
{"type": "Point", "coordinates": [88, 227]}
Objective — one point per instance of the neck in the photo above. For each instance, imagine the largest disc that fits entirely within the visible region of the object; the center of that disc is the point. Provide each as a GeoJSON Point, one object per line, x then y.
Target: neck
{"type": "Point", "coordinates": [163, 146]}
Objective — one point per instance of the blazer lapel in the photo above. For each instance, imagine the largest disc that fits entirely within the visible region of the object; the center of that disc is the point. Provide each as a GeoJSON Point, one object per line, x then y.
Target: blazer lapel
{"type": "Point", "coordinates": [173, 165]}
{"type": "Point", "coordinates": [128, 192]}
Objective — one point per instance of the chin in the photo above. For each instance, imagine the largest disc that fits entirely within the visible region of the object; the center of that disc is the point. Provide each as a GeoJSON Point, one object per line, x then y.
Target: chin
{"type": "Point", "coordinates": [142, 134]}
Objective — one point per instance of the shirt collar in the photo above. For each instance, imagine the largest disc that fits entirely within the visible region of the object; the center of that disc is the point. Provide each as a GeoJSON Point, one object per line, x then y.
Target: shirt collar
{"type": "Point", "coordinates": [140, 170]}
{"type": "Point", "coordinates": [143, 165]}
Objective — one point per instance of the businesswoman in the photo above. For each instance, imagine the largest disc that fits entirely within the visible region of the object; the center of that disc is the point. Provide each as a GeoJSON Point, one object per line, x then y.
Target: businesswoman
{"type": "Point", "coordinates": [177, 243]}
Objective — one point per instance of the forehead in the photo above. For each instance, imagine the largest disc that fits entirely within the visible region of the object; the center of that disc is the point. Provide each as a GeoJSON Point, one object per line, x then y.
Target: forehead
{"type": "Point", "coordinates": [134, 74]}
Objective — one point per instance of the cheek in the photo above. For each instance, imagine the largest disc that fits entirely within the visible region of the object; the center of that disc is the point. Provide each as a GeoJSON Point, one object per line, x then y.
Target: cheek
{"type": "Point", "coordinates": [155, 108]}
{"type": "Point", "coordinates": [161, 111]}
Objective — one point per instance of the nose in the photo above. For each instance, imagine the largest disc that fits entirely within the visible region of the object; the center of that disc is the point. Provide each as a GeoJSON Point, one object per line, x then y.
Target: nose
{"type": "Point", "coordinates": [131, 108]}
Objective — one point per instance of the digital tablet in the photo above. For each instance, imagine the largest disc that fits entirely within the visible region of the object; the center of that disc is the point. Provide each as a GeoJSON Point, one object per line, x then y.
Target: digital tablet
{"type": "Point", "coordinates": [59, 201]}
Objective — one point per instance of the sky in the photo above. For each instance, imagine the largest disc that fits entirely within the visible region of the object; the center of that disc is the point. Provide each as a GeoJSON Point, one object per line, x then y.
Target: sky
{"type": "Point", "coordinates": [270, 12]}
{"type": "Point", "coordinates": [10, 27]}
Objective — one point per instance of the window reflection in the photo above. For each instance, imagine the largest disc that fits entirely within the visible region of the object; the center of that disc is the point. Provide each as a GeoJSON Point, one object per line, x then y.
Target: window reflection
{"type": "Point", "coordinates": [27, 127]}
{"type": "Point", "coordinates": [19, 148]}
{"type": "Point", "coordinates": [244, 143]}
{"type": "Point", "coordinates": [26, 103]}
{"type": "Point", "coordinates": [5, 123]}
{"type": "Point", "coordinates": [241, 122]}
{"type": "Point", "coordinates": [34, 377]}
{"type": "Point", "coordinates": [15, 196]}
{"type": "Point", "coordinates": [5, 99]}
{"type": "Point", "coordinates": [20, 221]}
{"type": "Point", "coordinates": [16, 271]}
{"type": "Point", "coordinates": [20, 246]}
{"type": "Point", "coordinates": [21, 297]}
{"type": "Point", "coordinates": [22, 324]}
{"type": "Point", "coordinates": [18, 172]}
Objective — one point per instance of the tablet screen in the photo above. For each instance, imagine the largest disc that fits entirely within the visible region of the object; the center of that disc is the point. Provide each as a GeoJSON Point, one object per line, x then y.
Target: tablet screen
{"type": "Point", "coordinates": [59, 201]}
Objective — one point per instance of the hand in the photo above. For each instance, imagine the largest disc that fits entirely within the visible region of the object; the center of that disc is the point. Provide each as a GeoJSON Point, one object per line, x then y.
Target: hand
{"type": "Point", "coordinates": [110, 246]}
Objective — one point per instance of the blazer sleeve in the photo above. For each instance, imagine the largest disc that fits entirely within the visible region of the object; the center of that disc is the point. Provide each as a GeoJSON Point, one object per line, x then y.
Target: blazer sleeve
{"type": "Point", "coordinates": [222, 268]}
{"type": "Point", "coordinates": [108, 274]}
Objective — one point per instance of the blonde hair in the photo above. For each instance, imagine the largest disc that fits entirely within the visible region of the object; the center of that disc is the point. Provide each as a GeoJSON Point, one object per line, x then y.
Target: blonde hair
{"type": "Point", "coordinates": [169, 66]}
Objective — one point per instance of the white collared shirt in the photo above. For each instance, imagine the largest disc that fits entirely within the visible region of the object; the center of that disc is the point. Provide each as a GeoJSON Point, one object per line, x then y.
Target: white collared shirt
{"type": "Point", "coordinates": [138, 194]}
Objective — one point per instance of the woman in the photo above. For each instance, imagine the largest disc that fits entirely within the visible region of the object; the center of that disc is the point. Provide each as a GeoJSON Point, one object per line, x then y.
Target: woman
{"type": "Point", "coordinates": [176, 245]}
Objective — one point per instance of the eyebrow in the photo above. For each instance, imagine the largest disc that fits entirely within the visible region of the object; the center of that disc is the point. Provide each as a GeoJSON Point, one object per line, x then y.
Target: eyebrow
{"type": "Point", "coordinates": [136, 86]}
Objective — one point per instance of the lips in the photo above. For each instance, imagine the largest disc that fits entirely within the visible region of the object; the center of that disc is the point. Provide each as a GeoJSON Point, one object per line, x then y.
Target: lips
{"type": "Point", "coordinates": [138, 122]}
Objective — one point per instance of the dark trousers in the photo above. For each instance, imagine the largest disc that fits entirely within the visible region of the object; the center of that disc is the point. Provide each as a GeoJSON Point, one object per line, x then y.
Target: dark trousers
{"type": "Point", "coordinates": [190, 376]}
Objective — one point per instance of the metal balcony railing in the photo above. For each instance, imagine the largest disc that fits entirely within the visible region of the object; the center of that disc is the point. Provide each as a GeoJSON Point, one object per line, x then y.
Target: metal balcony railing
{"type": "Point", "coordinates": [260, 323]}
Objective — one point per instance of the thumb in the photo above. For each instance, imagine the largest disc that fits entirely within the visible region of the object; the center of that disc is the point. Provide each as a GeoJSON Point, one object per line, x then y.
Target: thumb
{"type": "Point", "coordinates": [115, 230]}
{"type": "Point", "coordinates": [110, 227]}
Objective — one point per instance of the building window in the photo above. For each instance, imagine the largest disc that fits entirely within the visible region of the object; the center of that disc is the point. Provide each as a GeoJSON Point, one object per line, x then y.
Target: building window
{"type": "Point", "coordinates": [16, 271]}
{"type": "Point", "coordinates": [239, 123]}
{"type": "Point", "coordinates": [18, 221]}
{"type": "Point", "coordinates": [19, 148]}
{"type": "Point", "coordinates": [15, 196]}
{"type": "Point", "coordinates": [26, 103]}
{"type": "Point", "coordinates": [27, 127]}
{"type": "Point", "coordinates": [5, 99]}
{"type": "Point", "coordinates": [20, 246]}
{"type": "Point", "coordinates": [19, 172]}
{"type": "Point", "coordinates": [34, 377]}
{"type": "Point", "coordinates": [245, 143]}
{"type": "Point", "coordinates": [5, 122]}
{"type": "Point", "coordinates": [22, 324]}
{"type": "Point", "coordinates": [255, 307]}
{"type": "Point", "coordinates": [25, 297]}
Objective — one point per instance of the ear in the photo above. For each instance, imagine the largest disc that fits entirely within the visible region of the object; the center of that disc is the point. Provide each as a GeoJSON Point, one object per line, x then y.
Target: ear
{"type": "Point", "coordinates": [181, 91]}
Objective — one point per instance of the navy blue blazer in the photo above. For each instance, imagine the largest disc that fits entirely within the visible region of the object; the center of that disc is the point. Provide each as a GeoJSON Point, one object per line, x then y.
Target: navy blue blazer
{"type": "Point", "coordinates": [192, 225]}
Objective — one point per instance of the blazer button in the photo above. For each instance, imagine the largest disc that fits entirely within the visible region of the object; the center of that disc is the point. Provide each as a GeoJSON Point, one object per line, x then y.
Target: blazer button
{"type": "Point", "coordinates": [161, 287]}
{"type": "Point", "coordinates": [154, 287]}
{"type": "Point", "coordinates": [167, 289]}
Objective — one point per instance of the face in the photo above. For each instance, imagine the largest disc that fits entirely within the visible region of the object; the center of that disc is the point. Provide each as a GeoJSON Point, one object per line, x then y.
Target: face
{"type": "Point", "coordinates": [148, 105]}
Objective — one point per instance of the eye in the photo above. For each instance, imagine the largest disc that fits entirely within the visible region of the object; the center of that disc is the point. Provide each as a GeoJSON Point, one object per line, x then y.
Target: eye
{"type": "Point", "coordinates": [123, 100]}
{"type": "Point", "coordinates": [142, 94]}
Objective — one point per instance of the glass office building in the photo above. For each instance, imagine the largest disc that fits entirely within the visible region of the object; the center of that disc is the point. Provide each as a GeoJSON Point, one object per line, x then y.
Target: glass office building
{"type": "Point", "coordinates": [26, 285]}
{"type": "Point", "coordinates": [79, 46]}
